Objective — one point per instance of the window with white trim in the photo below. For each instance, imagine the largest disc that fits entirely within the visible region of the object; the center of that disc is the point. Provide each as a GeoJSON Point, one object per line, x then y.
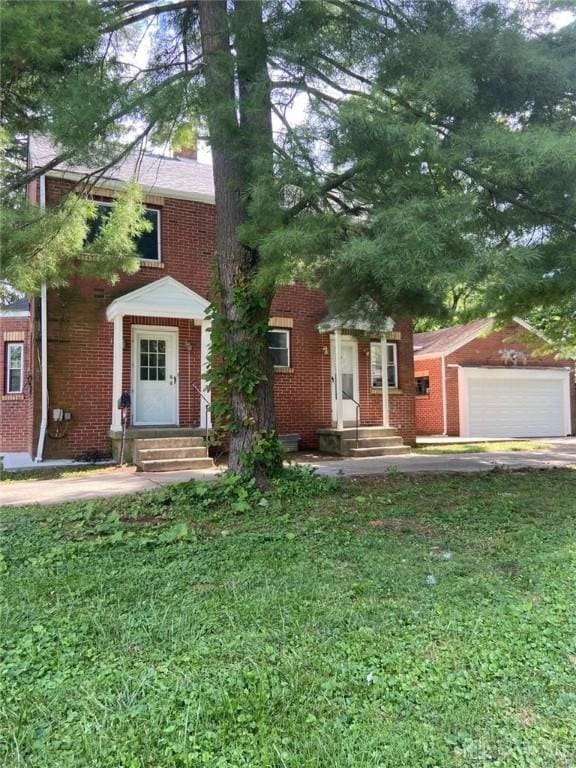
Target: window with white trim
{"type": "Point", "coordinates": [376, 365]}
{"type": "Point", "coordinates": [279, 347]}
{"type": "Point", "coordinates": [14, 368]}
{"type": "Point", "coordinates": [147, 244]}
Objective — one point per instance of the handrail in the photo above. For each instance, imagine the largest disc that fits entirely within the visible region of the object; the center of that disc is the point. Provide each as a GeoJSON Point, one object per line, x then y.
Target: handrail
{"type": "Point", "coordinates": [357, 404]}
{"type": "Point", "coordinates": [207, 407]}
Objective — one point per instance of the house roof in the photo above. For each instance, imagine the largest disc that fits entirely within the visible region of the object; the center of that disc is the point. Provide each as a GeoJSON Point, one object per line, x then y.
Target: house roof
{"type": "Point", "coordinates": [447, 340]}
{"type": "Point", "coordinates": [157, 174]}
{"type": "Point", "coordinates": [19, 308]}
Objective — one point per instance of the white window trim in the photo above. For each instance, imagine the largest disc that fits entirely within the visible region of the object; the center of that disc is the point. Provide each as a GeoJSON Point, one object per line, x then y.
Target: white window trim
{"type": "Point", "coordinates": [377, 345]}
{"type": "Point", "coordinates": [286, 332]}
{"type": "Point", "coordinates": [9, 345]}
{"type": "Point", "coordinates": [141, 259]}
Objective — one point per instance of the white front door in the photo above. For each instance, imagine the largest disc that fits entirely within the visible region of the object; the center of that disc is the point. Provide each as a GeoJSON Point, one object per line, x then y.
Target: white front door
{"type": "Point", "coordinates": [348, 378]}
{"type": "Point", "coordinates": [154, 371]}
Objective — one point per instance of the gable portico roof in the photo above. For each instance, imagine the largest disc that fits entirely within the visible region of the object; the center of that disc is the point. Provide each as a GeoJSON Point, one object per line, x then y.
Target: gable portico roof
{"type": "Point", "coordinates": [331, 323]}
{"type": "Point", "coordinates": [165, 297]}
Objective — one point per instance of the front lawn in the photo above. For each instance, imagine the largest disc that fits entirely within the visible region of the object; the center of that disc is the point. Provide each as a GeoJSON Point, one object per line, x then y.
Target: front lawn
{"type": "Point", "coordinates": [394, 622]}
{"type": "Point", "coordinates": [500, 446]}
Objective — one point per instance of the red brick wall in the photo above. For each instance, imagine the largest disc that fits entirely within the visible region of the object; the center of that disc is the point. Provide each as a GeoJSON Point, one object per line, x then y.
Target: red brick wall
{"type": "Point", "coordinates": [303, 395]}
{"type": "Point", "coordinates": [452, 401]}
{"type": "Point", "coordinates": [429, 410]}
{"type": "Point", "coordinates": [80, 344]}
{"type": "Point", "coordinates": [187, 244]}
{"type": "Point", "coordinates": [402, 415]}
{"type": "Point", "coordinates": [485, 351]}
{"type": "Point", "coordinates": [80, 337]}
{"type": "Point", "coordinates": [16, 410]}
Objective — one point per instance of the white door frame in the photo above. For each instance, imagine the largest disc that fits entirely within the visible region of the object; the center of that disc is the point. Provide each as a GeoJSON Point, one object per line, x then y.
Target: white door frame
{"type": "Point", "coordinates": [353, 341]}
{"type": "Point", "coordinates": [137, 331]}
{"type": "Point", "coordinates": [465, 374]}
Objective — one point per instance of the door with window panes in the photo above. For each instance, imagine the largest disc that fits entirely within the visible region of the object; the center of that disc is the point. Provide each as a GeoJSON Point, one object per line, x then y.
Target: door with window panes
{"type": "Point", "coordinates": [155, 368]}
{"type": "Point", "coordinates": [348, 378]}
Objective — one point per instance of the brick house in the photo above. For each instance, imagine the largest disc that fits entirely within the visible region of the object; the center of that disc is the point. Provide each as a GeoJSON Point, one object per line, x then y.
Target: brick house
{"type": "Point", "coordinates": [148, 336]}
{"type": "Point", "coordinates": [477, 381]}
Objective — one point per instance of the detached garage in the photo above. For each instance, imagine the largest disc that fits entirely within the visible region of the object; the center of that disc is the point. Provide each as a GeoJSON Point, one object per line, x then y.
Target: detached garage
{"type": "Point", "coordinates": [514, 402]}
{"type": "Point", "coordinates": [474, 381]}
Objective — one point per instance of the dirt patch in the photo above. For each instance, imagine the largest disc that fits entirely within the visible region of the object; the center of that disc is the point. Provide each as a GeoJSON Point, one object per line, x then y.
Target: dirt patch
{"type": "Point", "coordinates": [145, 520]}
{"type": "Point", "coordinates": [525, 717]}
{"type": "Point", "coordinates": [509, 568]}
{"type": "Point", "coordinates": [406, 525]}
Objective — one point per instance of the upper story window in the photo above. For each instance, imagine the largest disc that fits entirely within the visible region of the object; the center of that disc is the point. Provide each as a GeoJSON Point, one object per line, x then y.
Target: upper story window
{"type": "Point", "coordinates": [279, 347]}
{"type": "Point", "coordinates": [14, 368]}
{"type": "Point", "coordinates": [147, 245]}
{"type": "Point", "coordinates": [376, 365]}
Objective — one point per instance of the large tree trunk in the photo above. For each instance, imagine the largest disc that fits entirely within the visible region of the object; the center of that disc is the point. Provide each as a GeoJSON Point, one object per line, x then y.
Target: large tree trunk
{"type": "Point", "coordinates": [239, 123]}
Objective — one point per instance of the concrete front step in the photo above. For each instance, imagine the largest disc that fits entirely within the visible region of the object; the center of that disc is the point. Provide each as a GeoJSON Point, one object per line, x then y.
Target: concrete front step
{"type": "Point", "coordinates": [167, 465]}
{"type": "Point", "coordinates": [168, 442]}
{"type": "Point", "coordinates": [398, 450]}
{"type": "Point", "coordinates": [372, 442]}
{"type": "Point", "coordinates": [163, 454]}
{"type": "Point", "coordinates": [148, 454]}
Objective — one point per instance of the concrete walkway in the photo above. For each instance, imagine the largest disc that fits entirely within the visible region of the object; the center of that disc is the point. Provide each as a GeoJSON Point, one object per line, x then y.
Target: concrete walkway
{"type": "Point", "coordinates": [115, 482]}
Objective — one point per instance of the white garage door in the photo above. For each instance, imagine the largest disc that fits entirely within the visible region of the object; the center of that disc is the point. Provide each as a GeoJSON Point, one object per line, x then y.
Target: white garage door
{"type": "Point", "coordinates": [514, 402]}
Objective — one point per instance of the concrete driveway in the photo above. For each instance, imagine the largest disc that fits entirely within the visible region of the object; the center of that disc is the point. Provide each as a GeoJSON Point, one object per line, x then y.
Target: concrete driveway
{"type": "Point", "coordinates": [562, 453]}
{"type": "Point", "coordinates": [120, 481]}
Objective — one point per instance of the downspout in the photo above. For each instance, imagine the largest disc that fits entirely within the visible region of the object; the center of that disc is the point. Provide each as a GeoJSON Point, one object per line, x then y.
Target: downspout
{"type": "Point", "coordinates": [444, 402]}
{"type": "Point", "coordinates": [43, 347]}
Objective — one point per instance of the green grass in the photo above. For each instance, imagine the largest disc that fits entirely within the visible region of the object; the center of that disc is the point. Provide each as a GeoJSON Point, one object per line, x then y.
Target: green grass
{"type": "Point", "coordinates": [186, 628]}
{"type": "Point", "coordinates": [495, 447]}
{"type": "Point", "coordinates": [53, 473]}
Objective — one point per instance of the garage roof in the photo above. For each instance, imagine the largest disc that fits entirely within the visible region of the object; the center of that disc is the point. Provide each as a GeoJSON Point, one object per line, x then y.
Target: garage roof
{"type": "Point", "coordinates": [447, 340]}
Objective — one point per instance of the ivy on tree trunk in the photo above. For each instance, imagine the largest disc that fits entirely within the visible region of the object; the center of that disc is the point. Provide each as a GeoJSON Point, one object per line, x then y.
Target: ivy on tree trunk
{"type": "Point", "coordinates": [239, 121]}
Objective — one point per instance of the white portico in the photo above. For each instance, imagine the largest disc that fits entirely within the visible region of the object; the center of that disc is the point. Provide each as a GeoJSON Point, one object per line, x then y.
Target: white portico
{"type": "Point", "coordinates": [155, 349]}
{"type": "Point", "coordinates": [353, 432]}
{"type": "Point", "coordinates": [344, 366]}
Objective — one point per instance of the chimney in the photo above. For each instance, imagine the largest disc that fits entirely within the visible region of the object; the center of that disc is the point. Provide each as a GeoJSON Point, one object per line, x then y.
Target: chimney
{"type": "Point", "coordinates": [187, 153]}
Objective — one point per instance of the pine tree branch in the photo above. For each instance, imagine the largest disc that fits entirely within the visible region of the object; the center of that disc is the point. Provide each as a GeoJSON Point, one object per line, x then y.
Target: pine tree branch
{"type": "Point", "coordinates": [32, 174]}
{"type": "Point", "coordinates": [345, 71]}
{"type": "Point", "coordinates": [330, 184]}
{"type": "Point", "coordinates": [501, 194]}
{"type": "Point", "coordinates": [294, 136]}
{"type": "Point", "coordinates": [22, 181]}
{"type": "Point", "coordinates": [302, 85]}
{"type": "Point", "coordinates": [155, 10]}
